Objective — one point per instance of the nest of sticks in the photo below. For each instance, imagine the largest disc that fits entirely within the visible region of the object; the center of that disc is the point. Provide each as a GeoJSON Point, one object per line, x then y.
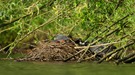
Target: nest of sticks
{"type": "Point", "coordinates": [51, 51]}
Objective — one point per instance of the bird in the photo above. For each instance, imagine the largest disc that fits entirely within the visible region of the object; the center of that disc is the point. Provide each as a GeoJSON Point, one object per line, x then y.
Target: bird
{"type": "Point", "coordinates": [60, 38]}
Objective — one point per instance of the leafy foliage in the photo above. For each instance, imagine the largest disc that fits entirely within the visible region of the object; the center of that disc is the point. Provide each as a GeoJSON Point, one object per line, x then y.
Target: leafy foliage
{"type": "Point", "coordinates": [80, 18]}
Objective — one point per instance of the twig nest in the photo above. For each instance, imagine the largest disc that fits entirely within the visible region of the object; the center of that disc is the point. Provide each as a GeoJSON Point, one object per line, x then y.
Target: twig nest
{"type": "Point", "coordinates": [51, 51]}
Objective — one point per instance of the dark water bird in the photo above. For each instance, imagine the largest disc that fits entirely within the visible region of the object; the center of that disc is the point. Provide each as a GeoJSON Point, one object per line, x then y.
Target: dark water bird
{"type": "Point", "coordinates": [60, 38]}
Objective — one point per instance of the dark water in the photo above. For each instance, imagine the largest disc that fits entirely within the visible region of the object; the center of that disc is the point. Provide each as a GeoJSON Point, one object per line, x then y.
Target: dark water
{"type": "Point", "coordinates": [59, 68]}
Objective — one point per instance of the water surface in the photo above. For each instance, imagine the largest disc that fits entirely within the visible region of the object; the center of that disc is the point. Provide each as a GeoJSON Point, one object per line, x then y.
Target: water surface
{"type": "Point", "coordinates": [59, 68]}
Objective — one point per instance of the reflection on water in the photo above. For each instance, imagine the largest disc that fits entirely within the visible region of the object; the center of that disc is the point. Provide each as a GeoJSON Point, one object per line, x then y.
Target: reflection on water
{"type": "Point", "coordinates": [59, 68]}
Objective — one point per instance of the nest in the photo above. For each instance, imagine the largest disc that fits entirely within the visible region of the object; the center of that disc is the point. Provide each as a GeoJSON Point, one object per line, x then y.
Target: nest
{"type": "Point", "coordinates": [51, 51]}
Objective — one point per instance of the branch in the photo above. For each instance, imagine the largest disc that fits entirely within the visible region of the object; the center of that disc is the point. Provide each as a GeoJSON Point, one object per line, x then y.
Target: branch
{"type": "Point", "coordinates": [110, 53]}
{"type": "Point", "coordinates": [125, 58]}
{"type": "Point", "coordinates": [97, 45]}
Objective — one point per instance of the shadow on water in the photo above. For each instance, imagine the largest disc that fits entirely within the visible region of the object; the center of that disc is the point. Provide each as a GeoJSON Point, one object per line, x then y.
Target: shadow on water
{"type": "Point", "coordinates": [59, 68]}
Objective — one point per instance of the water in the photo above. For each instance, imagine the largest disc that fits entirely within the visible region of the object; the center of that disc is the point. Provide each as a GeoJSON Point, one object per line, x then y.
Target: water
{"type": "Point", "coordinates": [59, 68]}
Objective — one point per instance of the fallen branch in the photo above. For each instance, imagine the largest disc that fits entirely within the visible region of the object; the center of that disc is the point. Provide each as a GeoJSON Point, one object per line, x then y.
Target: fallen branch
{"type": "Point", "coordinates": [125, 58]}
{"type": "Point", "coordinates": [106, 44]}
{"type": "Point", "coordinates": [119, 49]}
{"type": "Point", "coordinates": [130, 60]}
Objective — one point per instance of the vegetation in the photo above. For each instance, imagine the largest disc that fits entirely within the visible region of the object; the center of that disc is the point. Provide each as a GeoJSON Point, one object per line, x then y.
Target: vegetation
{"type": "Point", "coordinates": [29, 21]}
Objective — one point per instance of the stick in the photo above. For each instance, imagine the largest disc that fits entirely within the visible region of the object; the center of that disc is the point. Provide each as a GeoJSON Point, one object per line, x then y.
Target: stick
{"type": "Point", "coordinates": [97, 45]}
{"type": "Point", "coordinates": [73, 55]}
{"type": "Point", "coordinates": [104, 36]}
{"type": "Point", "coordinates": [132, 59]}
{"type": "Point", "coordinates": [115, 23]}
{"type": "Point", "coordinates": [125, 58]}
{"type": "Point", "coordinates": [110, 53]}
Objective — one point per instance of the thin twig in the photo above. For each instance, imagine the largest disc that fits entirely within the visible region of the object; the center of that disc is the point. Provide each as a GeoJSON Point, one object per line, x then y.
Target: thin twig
{"type": "Point", "coordinates": [114, 24]}
{"type": "Point", "coordinates": [73, 55]}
